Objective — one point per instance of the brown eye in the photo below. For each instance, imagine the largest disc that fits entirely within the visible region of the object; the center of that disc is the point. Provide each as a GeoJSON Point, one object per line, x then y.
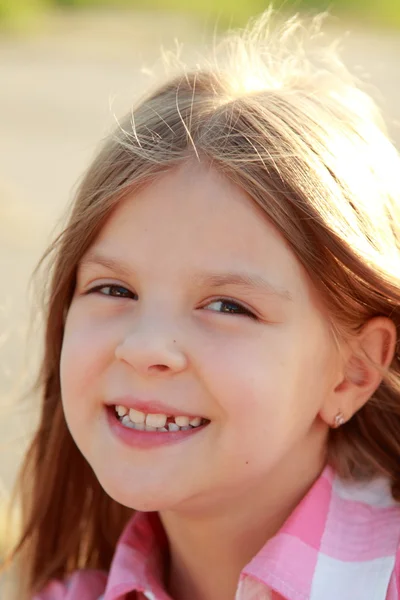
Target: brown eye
{"type": "Point", "coordinates": [230, 307]}
{"type": "Point", "coordinates": [116, 291]}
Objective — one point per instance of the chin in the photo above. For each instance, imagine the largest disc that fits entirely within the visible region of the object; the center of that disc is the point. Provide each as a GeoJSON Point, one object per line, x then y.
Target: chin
{"type": "Point", "coordinates": [144, 498]}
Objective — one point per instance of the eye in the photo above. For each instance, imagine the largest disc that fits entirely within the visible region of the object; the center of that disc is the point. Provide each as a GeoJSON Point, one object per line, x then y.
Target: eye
{"type": "Point", "coordinates": [113, 290]}
{"type": "Point", "coordinates": [230, 307]}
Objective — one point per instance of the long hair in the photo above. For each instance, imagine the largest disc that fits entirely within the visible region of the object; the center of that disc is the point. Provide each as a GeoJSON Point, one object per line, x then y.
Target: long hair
{"type": "Point", "coordinates": [282, 119]}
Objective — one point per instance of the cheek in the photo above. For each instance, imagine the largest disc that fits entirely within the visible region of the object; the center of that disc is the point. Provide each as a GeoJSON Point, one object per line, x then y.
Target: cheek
{"type": "Point", "coordinates": [86, 351]}
{"type": "Point", "coordinates": [252, 378]}
{"type": "Point", "coordinates": [271, 384]}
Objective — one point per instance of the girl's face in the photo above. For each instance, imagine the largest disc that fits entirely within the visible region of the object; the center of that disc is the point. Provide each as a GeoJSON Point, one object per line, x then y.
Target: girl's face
{"type": "Point", "coordinates": [191, 298]}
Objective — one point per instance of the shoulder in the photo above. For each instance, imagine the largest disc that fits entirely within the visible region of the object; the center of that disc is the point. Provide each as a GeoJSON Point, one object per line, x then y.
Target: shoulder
{"type": "Point", "coordinates": [367, 541]}
{"type": "Point", "coordinates": [394, 584]}
{"type": "Point", "coordinates": [81, 585]}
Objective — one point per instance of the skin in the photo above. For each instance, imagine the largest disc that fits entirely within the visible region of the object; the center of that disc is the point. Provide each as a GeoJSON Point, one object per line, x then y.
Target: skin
{"type": "Point", "coordinates": [271, 384]}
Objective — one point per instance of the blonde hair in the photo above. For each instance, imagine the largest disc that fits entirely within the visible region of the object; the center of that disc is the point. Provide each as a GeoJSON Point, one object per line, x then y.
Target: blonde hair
{"type": "Point", "coordinates": [281, 117]}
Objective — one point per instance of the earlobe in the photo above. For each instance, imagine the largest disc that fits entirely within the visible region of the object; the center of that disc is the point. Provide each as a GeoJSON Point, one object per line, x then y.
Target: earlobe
{"type": "Point", "coordinates": [339, 420]}
{"type": "Point", "coordinates": [368, 355]}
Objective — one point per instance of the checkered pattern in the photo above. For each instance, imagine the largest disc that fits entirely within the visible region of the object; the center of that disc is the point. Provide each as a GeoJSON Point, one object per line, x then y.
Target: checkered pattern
{"type": "Point", "coordinates": [340, 543]}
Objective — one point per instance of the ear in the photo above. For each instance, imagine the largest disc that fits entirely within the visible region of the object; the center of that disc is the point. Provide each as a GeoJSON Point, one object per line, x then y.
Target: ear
{"type": "Point", "coordinates": [367, 354]}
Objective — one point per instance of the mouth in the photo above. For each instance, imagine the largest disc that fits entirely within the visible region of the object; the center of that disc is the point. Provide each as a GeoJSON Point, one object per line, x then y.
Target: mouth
{"type": "Point", "coordinates": [150, 430]}
{"type": "Point", "coordinates": [136, 419]}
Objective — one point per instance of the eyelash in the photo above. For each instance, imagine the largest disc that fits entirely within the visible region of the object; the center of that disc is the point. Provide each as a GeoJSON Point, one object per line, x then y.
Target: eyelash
{"type": "Point", "coordinates": [98, 289]}
{"type": "Point", "coordinates": [113, 286]}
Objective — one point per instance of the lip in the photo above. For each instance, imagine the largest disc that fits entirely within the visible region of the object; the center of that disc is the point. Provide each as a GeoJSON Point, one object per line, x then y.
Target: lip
{"type": "Point", "coordinates": [151, 407]}
{"type": "Point", "coordinates": [147, 439]}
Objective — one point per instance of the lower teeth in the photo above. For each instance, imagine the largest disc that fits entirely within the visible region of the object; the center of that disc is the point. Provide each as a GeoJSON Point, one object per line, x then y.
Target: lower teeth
{"type": "Point", "coordinates": [142, 427]}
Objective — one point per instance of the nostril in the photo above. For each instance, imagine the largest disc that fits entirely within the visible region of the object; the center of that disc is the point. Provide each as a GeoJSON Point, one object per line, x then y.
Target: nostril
{"type": "Point", "coordinates": [159, 367]}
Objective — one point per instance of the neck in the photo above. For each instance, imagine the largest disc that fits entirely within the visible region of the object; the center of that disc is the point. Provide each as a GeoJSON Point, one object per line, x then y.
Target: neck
{"type": "Point", "coordinates": [208, 550]}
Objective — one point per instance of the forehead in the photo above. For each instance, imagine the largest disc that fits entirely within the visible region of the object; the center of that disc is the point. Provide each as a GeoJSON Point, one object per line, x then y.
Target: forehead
{"type": "Point", "coordinates": [195, 218]}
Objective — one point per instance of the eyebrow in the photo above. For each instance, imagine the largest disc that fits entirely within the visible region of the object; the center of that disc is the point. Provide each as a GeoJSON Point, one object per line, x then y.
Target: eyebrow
{"type": "Point", "coordinates": [246, 281]}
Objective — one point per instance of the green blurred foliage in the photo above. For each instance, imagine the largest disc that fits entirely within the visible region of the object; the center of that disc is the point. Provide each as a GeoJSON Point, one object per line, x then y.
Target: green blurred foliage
{"type": "Point", "coordinates": [238, 11]}
{"type": "Point", "coordinates": [224, 12]}
{"type": "Point", "coordinates": [16, 11]}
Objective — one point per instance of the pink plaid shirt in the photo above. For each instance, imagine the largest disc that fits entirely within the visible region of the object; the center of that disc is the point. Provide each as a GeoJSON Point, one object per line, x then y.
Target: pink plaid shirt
{"type": "Point", "coordinates": [340, 543]}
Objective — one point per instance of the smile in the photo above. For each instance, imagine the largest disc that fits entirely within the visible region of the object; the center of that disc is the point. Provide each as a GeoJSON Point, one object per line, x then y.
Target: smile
{"type": "Point", "coordinates": [136, 419]}
{"type": "Point", "coordinates": [143, 435]}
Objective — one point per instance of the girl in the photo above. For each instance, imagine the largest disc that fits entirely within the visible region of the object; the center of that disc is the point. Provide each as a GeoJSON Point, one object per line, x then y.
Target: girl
{"type": "Point", "coordinates": [221, 385]}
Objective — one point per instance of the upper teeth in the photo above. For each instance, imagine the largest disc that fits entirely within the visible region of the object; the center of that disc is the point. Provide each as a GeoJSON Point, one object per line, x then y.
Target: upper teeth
{"type": "Point", "coordinates": [155, 420]}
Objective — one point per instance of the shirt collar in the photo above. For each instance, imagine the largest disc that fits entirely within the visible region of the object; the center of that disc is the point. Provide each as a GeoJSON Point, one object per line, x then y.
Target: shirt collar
{"type": "Point", "coordinates": [138, 563]}
{"type": "Point", "coordinates": [336, 526]}
{"type": "Point", "coordinates": [340, 542]}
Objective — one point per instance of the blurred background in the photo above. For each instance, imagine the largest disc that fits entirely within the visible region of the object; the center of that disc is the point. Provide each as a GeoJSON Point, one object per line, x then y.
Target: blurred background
{"type": "Point", "coordinates": [67, 67]}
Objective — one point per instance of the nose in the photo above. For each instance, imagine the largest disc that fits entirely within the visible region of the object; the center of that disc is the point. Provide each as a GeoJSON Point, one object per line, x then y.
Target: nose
{"type": "Point", "coordinates": [151, 351]}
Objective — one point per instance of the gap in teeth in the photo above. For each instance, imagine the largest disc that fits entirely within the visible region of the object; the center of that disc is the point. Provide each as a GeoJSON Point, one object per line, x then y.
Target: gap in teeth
{"type": "Point", "coordinates": [156, 422]}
